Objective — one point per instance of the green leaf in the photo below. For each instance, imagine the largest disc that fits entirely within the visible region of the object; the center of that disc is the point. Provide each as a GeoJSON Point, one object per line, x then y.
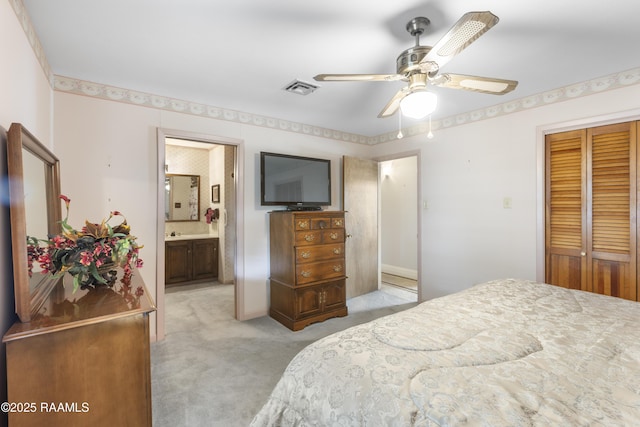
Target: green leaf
{"type": "Point", "coordinates": [96, 275]}
{"type": "Point", "coordinates": [76, 282]}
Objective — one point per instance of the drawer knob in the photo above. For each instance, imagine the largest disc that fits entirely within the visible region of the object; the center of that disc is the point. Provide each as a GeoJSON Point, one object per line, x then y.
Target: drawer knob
{"type": "Point", "coordinates": [322, 224]}
{"type": "Point", "coordinates": [305, 274]}
{"type": "Point", "coordinates": [309, 237]}
{"type": "Point", "coordinates": [303, 224]}
{"type": "Point", "coordinates": [337, 268]}
{"type": "Point", "coordinates": [337, 222]}
{"type": "Point", "coordinates": [337, 251]}
{"type": "Point", "coordinates": [333, 236]}
{"type": "Point", "coordinates": [305, 254]}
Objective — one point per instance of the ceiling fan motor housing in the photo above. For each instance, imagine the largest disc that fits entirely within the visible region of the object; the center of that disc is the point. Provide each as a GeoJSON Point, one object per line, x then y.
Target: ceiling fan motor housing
{"type": "Point", "coordinates": [409, 61]}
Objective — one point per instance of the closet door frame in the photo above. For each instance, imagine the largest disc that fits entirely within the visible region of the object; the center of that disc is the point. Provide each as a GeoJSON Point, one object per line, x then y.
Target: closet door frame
{"type": "Point", "coordinates": [541, 132]}
{"type": "Point", "coordinates": [637, 203]}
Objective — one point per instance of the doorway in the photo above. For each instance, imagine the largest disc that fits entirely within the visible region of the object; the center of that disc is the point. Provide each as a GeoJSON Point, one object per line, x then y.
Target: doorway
{"type": "Point", "coordinates": [216, 161]}
{"type": "Point", "coordinates": [399, 224]}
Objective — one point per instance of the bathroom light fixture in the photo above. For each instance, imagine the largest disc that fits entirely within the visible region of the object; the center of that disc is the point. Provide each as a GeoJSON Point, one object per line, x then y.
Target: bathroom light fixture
{"type": "Point", "coordinates": [418, 104]}
{"type": "Point", "coordinates": [386, 168]}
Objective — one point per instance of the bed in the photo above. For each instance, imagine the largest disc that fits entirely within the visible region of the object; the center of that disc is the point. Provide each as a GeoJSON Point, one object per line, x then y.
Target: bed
{"type": "Point", "coordinates": [502, 353]}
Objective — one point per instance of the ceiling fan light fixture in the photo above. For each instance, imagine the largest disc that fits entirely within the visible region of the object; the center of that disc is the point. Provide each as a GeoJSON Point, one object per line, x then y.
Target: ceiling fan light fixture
{"type": "Point", "coordinates": [418, 104]}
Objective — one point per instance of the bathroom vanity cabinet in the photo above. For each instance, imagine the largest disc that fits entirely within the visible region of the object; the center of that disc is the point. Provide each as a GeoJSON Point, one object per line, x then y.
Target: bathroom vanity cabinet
{"type": "Point", "coordinates": [189, 260]}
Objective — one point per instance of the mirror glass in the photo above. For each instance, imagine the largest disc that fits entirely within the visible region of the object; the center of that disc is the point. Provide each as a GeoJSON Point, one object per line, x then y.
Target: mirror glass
{"type": "Point", "coordinates": [34, 187]}
{"type": "Point", "coordinates": [35, 198]}
{"type": "Point", "coordinates": [182, 197]}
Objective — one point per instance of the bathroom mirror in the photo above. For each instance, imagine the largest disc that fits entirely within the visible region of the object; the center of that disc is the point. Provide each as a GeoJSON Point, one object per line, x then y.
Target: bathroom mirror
{"type": "Point", "coordinates": [182, 197]}
{"type": "Point", "coordinates": [34, 187]}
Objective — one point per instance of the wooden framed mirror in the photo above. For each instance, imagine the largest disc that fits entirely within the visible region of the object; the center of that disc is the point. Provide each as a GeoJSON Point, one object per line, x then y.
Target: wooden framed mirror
{"type": "Point", "coordinates": [35, 209]}
{"type": "Point", "coordinates": [182, 197]}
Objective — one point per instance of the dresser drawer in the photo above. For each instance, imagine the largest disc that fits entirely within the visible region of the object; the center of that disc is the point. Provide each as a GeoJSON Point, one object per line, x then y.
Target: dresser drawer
{"type": "Point", "coordinates": [302, 224]}
{"type": "Point", "coordinates": [337, 222]}
{"type": "Point", "coordinates": [319, 237]}
{"type": "Point", "coordinates": [319, 253]}
{"type": "Point", "coordinates": [323, 223]}
{"type": "Point", "coordinates": [319, 223]}
{"type": "Point", "coordinates": [307, 273]}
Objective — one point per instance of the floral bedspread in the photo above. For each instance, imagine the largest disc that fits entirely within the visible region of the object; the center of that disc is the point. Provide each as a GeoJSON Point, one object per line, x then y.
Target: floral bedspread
{"type": "Point", "coordinates": [503, 353]}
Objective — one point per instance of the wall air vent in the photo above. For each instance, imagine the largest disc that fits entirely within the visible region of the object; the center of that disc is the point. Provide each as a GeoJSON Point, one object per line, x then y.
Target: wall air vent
{"type": "Point", "coordinates": [300, 87]}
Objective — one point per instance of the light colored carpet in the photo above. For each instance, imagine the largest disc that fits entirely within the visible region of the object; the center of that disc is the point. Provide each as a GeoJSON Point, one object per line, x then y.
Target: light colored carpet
{"type": "Point", "coordinates": [212, 370]}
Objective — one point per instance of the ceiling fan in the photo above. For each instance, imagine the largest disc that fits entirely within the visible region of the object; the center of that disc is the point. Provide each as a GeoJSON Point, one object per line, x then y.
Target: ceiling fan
{"type": "Point", "coordinates": [420, 66]}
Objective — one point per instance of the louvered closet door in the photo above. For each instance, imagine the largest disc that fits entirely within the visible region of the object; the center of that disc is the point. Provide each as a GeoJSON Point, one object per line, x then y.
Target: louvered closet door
{"type": "Point", "coordinates": [591, 209]}
{"type": "Point", "coordinates": [611, 201]}
{"type": "Point", "coordinates": [565, 237]}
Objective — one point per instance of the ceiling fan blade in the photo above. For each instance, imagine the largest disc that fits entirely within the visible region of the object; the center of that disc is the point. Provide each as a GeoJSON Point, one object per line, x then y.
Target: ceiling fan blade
{"type": "Point", "coordinates": [393, 105]}
{"type": "Point", "coordinates": [475, 83]}
{"type": "Point", "coordinates": [464, 32]}
{"type": "Point", "coordinates": [358, 77]}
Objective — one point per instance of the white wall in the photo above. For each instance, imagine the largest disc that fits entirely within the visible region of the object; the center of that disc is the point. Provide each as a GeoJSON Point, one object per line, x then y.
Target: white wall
{"type": "Point", "coordinates": [467, 171]}
{"type": "Point", "coordinates": [108, 155]}
{"type": "Point", "coordinates": [25, 97]}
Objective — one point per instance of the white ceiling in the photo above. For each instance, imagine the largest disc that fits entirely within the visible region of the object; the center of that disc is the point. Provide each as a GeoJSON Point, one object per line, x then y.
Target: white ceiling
{"type": "Point", "coordinates": [239, 54]}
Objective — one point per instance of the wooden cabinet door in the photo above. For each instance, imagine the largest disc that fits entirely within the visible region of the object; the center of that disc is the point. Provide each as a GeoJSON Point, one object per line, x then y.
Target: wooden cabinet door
{"type": "Point", "coordinates": [591, 210]}
{"type": "Point", "coordinates": [308, 302]}
{"type": "Point", "coordinates": [177, 261]}
{"type": "Point", "coordinates": [318, 299]}
{"type": "Point", "coordinates": [205, 259]}
{"type": "Point", "coordinates": [334, 296]}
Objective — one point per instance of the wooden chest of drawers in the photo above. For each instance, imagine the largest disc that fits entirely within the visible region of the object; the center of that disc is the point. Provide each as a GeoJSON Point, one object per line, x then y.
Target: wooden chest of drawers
{"type": "Point", "coordinates": [307, 278]}
{"type": "Point", "coordinates": [85, 359]}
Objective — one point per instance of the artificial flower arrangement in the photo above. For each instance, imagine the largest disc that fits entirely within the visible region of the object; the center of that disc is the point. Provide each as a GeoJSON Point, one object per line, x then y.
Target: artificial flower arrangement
{"type": "Point", "coordinates": [87, 253]}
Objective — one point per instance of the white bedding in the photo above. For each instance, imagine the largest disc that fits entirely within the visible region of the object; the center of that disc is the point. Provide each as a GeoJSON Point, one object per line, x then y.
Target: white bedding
{"type": "Point", "coordinates": [503, 353]}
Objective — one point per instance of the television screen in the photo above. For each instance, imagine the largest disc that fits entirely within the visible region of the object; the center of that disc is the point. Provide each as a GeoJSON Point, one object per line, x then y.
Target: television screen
{"type": "Point", "coordinates": [292, 181]}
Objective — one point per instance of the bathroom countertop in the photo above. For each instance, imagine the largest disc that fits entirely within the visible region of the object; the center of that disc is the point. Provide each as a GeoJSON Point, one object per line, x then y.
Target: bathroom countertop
{"type": "Point", "coordinates": [190, 237]}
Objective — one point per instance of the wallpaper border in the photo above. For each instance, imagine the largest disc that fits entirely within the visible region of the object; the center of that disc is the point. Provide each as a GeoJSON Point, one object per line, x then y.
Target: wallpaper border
{"type": "Point", "coordinates": [577, 90]}
{"type": "Point", "coordinates": [32, 37]}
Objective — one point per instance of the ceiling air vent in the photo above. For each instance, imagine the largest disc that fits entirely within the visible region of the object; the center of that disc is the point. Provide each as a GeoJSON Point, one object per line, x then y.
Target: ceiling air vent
{"type": "Point", "coordinates": [300, 87]}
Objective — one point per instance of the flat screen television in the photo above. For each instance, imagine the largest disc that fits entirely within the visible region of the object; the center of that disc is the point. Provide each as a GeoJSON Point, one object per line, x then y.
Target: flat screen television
{"type": "Point", "coordinates": [299, 183]}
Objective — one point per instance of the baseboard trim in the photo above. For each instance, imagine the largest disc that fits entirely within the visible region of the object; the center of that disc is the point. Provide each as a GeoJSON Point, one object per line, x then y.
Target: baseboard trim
{"type": "Point", "coordinates": [400, 271]}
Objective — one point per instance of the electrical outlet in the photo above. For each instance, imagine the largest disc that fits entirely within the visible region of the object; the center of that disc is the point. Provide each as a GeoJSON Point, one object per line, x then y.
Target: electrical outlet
{"type": "Point", "coordinates": [506, 203]}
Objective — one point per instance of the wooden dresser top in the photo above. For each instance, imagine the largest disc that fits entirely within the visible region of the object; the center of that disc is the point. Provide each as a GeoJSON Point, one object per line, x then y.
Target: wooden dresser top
{"type": "Point", "coordinates": [65, 309]}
